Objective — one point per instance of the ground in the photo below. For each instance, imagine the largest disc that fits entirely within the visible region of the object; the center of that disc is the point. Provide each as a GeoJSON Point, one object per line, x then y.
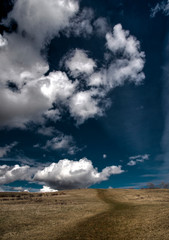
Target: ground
{"type": "Point", "coordinates": [111, 214]}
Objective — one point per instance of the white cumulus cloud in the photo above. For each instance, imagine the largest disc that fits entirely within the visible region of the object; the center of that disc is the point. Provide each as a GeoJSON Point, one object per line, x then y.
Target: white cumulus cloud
{"type": "Point", "coordinates": [80, 63]}
{"type": "Point", "coordinates": [56, 86]}
{"type": "Point", "coordinates": [125, 62]}
{"type": "Point", "coordinates": [20, 61]}
{"type": "Point", "coordinates": [10, 174]}
{"type": "Point", "coordinates": [43, 22]}
{"type": "Point", "coordinates": [68, 174]}
{"type": "Point", "coordinates": [26, 94]}
{"type": "Point", "coordinates": [83, 106]}
{"type": "Point", "coordinates": [47, 189]}
{"type": "Point", "coordinates": [130, 65]}
{"type": "Point", "coordinates": [29, 93]}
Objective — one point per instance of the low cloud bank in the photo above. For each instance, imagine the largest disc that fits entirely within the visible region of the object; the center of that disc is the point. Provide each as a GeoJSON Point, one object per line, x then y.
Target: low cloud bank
{"type": "Point", "coordinates": [66, 174]}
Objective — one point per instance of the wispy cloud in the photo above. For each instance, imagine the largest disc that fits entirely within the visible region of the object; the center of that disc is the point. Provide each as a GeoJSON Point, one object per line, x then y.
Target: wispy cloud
{"type": "Point", "coordinates": [162, 6]}
{"type": "Point", "coordinates": [46, 131]}
{"type": "Point", "coordinates": [62, 143]}
{"type": "Point", "coordinates": [136, 159]}
{"type": "Point", "coordinates": [6, 149]}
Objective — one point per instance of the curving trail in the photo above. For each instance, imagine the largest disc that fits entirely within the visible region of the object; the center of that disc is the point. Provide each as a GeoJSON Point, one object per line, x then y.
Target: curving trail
{"type": "Point", "coordinates": [103, 226]}
{"type": "Point", "coordinates": [123, 221]}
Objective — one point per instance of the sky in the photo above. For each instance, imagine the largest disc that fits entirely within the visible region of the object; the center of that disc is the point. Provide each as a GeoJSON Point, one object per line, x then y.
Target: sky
{"type": "Point", "coordinates": [84, 94]}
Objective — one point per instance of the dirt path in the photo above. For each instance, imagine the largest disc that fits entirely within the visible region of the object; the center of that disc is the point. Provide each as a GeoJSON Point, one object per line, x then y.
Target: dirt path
{"type": "Point", "coordinates": [103, 226]}
{"type": "Point", "coordinates": [123, 221]}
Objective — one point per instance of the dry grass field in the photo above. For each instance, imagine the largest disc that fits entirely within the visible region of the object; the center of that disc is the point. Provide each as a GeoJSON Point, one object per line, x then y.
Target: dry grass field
{"type": "Point", "coordinates": [91, 214]}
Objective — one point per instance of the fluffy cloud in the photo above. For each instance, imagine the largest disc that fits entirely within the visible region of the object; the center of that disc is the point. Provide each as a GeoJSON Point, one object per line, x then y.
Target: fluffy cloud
{"type": "Point", "coordinates": [80, 63]}
{"type": "Point", "coordinates": [6, 149]}
{"type": "Point", "coordinates": [83, 106]}
{"type": "Point", "coordinates": [35, 99]}
{"type": "Point", "coordinates": [47, 189]}
{"type": "Point", "coordinates": [124, 61]}
{"type": "Point", "coordinates": [139, 158]}
{"type": "Point", "coordinates": [97, 79]}
{"type": "Point", "coordinates": [11, 174]}
{"type": "Point", "coordinates": [3, 41]}
{"type": "Point", "coordinates": [68, 174]}
{"type": "Point", "coordinates": [130, 65]}
{"type": "Point", "coordinates": [20, 65]}
{"type": "Point", "coordinates": [17, 108]}
{"type": "Point", "coordinates": [28, 93]}
{"type": "Point", "coordinates": [163, 6]}
{"type": "Point", "coordinates": [20, 61]}
{"type": "Point", "coordinates": [25, 95]}
{"type": "Point", "coordinates": [56, 86]}
{"type": "Point", "coordinates": [41, 25]}
{"type": "Point", "coordinates": [62, 142]}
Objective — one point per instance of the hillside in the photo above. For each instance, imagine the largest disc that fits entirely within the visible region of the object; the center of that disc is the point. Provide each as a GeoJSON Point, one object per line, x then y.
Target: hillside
{"type": "Point", "coordinates": [111, 214]}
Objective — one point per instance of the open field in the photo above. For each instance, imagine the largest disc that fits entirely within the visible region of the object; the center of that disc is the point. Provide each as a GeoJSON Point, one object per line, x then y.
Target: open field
{"type": "Point", "coordinates": [111, 214]}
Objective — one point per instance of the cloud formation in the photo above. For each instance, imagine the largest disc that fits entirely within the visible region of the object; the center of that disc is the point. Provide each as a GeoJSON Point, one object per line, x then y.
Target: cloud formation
{"type": "Point", "coordinates": [68, 174]}
{"type": "Point", "coordinates": [6, 149]}
{"type": "Point", "coordinates": [136, 159]}
{"type": "Point", "coordinates": [87, 104]}
{"type": "Point", "coordinates": [42, 24]}
{"type": "Point", "coordinates": [81, 24]}
{"type": "Point", "coordinates": [130, 65]}
{"type": "Point", "coordinates": [47, 189]}
{"type": "Point", "coordinates": [62, 143]}
{"type": "Point", "coordinates": [11, 174]}
{"type": "Point", "coordinates": [80, 63]}
{"type": "Point", "coordinates": [3, 41]}
{"type": "Point", "coordinates": [162, 6]}
{"type": "Point", "coordinates": [46, 131]}
{"type": "Point", "coordinates": [29, 94]}
{"type": "Point", "coordinates": [22, 65]}
{"type": "Point", "coordinates": [84, 105]}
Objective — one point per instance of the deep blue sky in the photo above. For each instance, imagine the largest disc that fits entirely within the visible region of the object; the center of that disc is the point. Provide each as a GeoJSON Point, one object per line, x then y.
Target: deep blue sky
{"type": "Point", "coordinates": [132, 131]}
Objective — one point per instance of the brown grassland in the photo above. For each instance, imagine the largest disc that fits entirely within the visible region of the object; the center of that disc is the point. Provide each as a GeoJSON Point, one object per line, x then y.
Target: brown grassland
{"type": "Point", "coordinates": [93, 214]}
